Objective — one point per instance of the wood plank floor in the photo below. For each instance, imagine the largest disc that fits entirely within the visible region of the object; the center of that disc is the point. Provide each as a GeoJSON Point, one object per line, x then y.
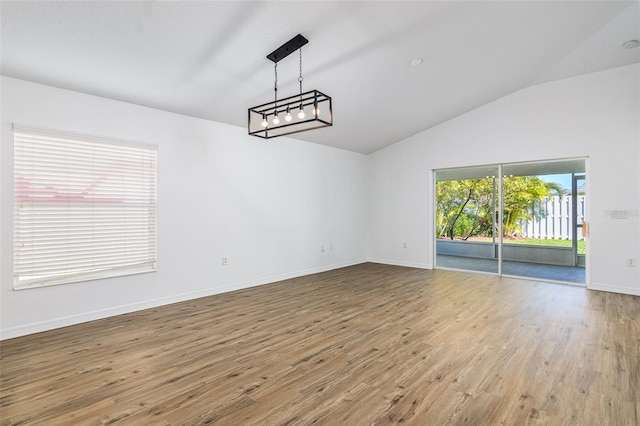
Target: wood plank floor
{"type": "Point", "coordinates": [368, 344]}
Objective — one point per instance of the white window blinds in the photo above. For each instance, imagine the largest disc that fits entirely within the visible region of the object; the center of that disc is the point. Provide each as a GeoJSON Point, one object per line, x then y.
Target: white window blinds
{"type": "Point", "coordinates": [84, 208]}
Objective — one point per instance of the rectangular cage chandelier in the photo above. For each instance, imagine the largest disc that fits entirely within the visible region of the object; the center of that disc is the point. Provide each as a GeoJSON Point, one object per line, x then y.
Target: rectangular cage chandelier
{"type": "Point", "coordinates": [298, 113]}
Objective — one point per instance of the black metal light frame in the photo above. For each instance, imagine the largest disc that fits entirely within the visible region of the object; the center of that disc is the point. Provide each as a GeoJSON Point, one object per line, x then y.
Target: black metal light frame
{"type": "Point", "coordinates": [318, 101]}
{"type": "Point", "coordinates": [316, 106]}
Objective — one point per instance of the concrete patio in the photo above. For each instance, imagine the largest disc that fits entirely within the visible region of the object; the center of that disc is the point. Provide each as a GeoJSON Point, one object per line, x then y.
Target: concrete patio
{"type": "Point", "coordinates": [568, 274]}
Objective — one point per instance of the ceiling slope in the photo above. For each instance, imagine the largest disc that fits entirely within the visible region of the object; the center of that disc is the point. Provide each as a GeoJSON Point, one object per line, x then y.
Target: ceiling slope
{"type": "Point", "coordinates": [208, 59]}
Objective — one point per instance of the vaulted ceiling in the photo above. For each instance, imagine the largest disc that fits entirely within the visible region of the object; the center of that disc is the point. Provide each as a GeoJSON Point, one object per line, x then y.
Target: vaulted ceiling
{"type": "Point", "coordinates": [207, 59]}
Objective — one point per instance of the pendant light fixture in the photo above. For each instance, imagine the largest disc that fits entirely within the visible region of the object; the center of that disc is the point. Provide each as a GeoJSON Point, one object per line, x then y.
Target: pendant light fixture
{"type": "Point", "coordinates": [298, 113]}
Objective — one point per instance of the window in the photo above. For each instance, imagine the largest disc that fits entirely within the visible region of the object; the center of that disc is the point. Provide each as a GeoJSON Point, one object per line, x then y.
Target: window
{"type": "Point", "coordinates": [84, 208]}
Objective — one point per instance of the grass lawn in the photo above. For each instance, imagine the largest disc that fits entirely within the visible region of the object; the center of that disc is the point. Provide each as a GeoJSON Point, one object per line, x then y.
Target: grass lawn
{"type": "Point", "coordinates": [582, 247]}
{"type": "Point", "coordinates": [545, 242]}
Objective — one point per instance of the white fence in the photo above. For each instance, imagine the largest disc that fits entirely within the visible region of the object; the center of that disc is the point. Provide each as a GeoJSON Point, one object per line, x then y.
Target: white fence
{"type": "Point", "coordinates": [554, 219]}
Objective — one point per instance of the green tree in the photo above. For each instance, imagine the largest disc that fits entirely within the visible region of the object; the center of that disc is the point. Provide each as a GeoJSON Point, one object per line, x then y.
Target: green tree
{"type": "Point", "coordinates": [521, 196]}
{"type": "Point", "coordinates": [466, 208]}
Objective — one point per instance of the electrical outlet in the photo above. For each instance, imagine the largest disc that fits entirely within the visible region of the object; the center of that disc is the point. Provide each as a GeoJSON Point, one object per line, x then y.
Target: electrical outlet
{"type": "Point", "coordinates": [631, 262]}
{"type": "Point", "coordinates": [225, 262]}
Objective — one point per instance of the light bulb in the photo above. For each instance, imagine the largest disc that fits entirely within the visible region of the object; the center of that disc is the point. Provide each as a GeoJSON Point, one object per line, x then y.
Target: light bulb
{"type": "Point", "coordinates": [316, 111]}
{"type": "Point", "coordinates": [265, 123]}
{"type": "Point", "coordinates": [301, 113]}
{"type": "Point", "coordinates": [276, 120]}
{"type": "Point", "coordinates": [288, 116]}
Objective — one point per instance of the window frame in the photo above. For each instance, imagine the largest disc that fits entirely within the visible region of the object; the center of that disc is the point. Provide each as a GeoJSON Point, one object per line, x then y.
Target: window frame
{"type": "Point", "coordinates": [81, 207]}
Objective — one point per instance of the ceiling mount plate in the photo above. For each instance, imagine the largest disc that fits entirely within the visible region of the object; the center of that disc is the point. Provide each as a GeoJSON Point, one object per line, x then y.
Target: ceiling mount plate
{"type": "Point", "coordinates": [288, 48]}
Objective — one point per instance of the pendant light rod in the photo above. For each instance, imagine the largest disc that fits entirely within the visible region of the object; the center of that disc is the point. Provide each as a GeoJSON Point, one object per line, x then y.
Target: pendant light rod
{"type": "Point", "coordinates": [288, 48]}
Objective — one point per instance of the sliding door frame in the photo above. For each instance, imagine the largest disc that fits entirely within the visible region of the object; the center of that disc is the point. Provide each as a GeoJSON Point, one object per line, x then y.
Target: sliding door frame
{"type": "Point", "coordinates": [500, 219]}
{"type": "Point", "coordinates": [500, 216]}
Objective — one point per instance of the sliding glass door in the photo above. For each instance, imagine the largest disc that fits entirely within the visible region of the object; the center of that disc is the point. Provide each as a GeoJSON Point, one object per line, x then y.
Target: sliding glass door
{"type": "Point", "coordinates": [522, 220]}
{"type": "Point", "coordinates": [466, 213]}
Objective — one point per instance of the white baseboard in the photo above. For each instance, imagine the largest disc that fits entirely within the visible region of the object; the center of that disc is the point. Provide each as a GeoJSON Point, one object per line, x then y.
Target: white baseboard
{"type": "Point", "coordinates": [614, 289]}
{"type": "Point", "coordinates": [396, 262]}
{"type": "Point", "coordinates": [37, 327]}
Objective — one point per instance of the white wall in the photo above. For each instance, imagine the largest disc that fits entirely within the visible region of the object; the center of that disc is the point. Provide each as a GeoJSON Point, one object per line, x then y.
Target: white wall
{"type": "Point", "coordinates": [595, 116]}
{"type": "Point", "coordinates": [268, 206]}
